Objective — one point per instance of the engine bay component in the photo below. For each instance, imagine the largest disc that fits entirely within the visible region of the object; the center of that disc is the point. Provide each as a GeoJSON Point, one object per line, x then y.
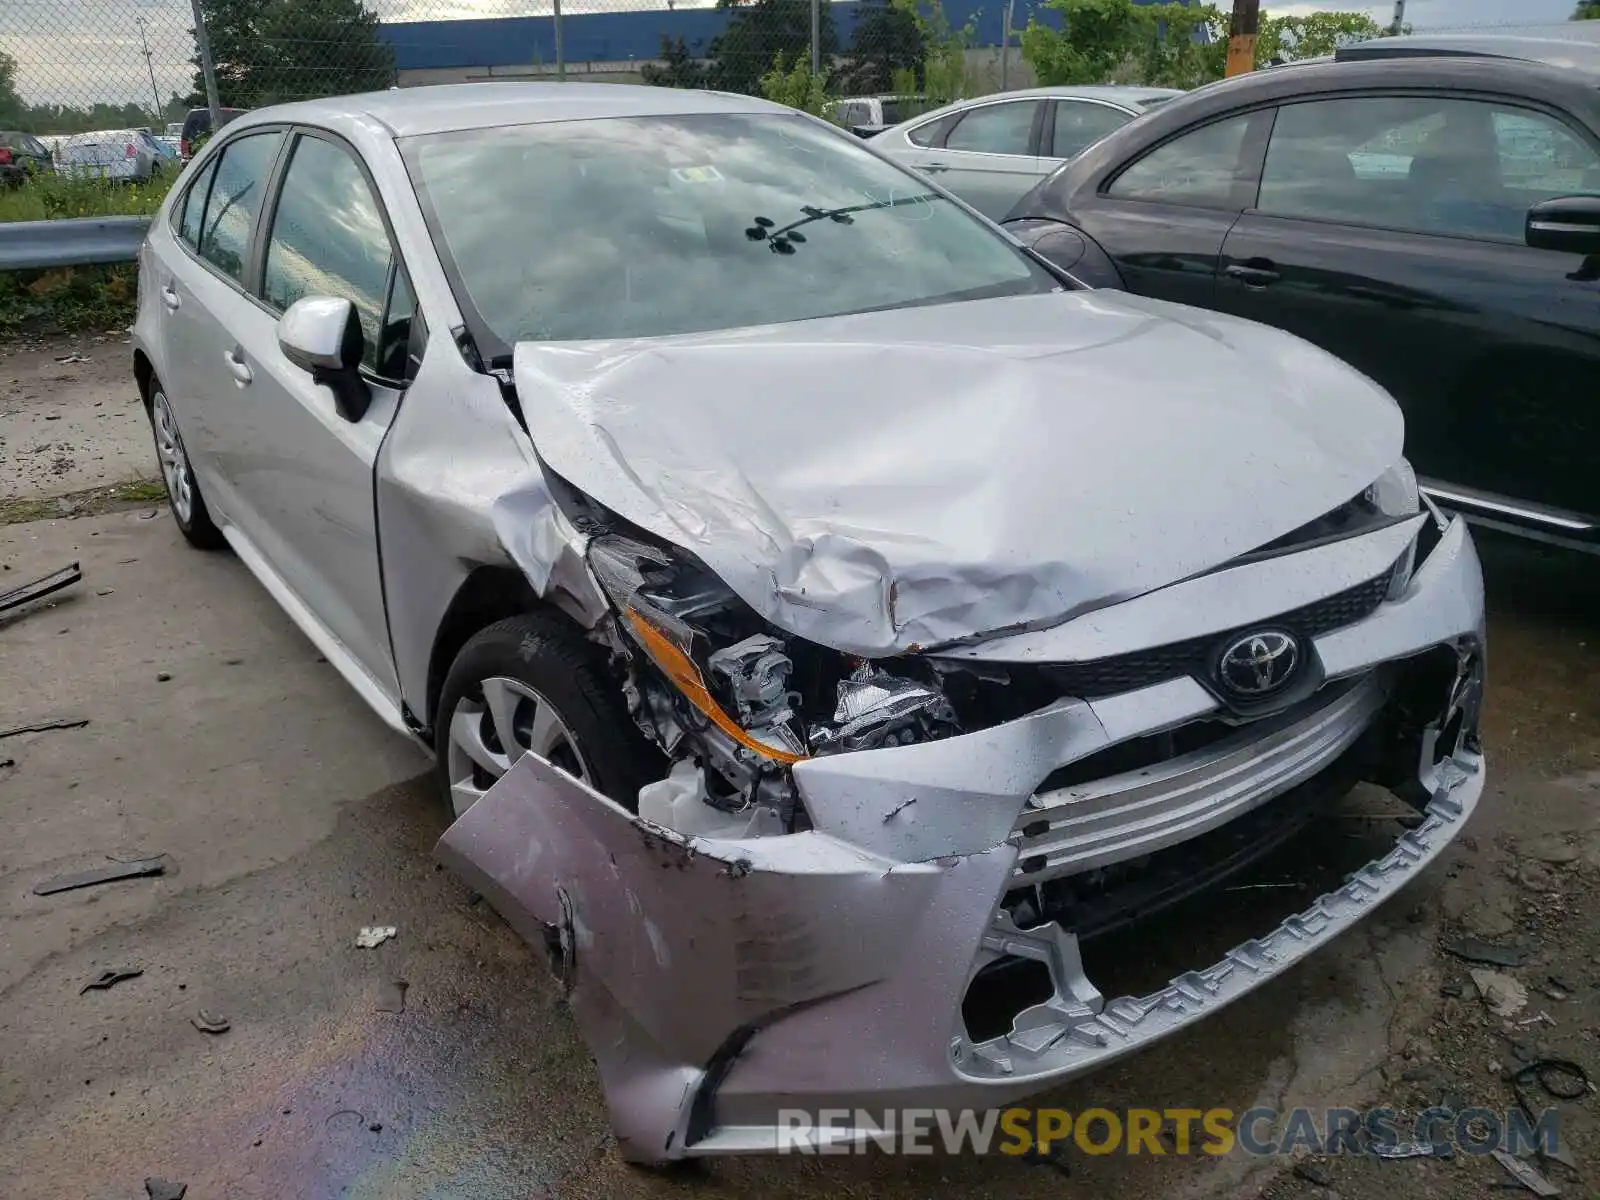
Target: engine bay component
{"type": "Point", "coordinates": [756, 671]}
{"type": "Point", "coordinates": [878, 709]}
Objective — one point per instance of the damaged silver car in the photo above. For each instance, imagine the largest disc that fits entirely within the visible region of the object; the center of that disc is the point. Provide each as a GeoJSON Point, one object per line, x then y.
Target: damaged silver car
{"type": "Point", "coordinates": [825, 616]}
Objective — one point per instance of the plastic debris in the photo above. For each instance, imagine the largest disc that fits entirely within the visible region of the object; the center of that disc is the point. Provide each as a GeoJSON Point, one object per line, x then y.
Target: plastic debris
{"type": "Point", "coordinates": [207, 1022]}
{"type": "Point", "coordinates": [1525, 1175]}
{"type": "Point", "coordinates": [376, 935]}
{"type": "Point", "coordinates": [81, 879]}
{"type": "Point", "coordinates": [160, 1189]}
{"type": "Point", "coordinates": [28, 592]}
{"type": "Point", "coordinates": [110, 978]}
{"type": "Point", "coordinates": [392, 998]}
{"type": "Point", "coordinates": [45, 726]}
{"type": "Point", "coordinates": [1479, 951]}
{"type": "Point", "coordinates": [1408, 1150]}
{"type": "Point", "coordinates": [1502, 995]}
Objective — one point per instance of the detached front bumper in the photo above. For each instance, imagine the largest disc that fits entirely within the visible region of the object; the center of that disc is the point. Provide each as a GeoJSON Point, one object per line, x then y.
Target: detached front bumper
{"type": "Point", "coordinates": [721, 982]}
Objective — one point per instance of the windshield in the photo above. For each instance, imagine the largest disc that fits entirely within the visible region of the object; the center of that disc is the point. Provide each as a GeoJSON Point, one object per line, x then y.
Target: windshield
{"type": "Point", "coordinates": [645, 226]}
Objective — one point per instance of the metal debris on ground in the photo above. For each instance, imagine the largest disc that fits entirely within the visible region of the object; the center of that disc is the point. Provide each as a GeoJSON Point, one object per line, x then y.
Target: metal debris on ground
{"type": "Point", "coordinates": [207, 1022]}
{"type": "Point", "coordinates": [374, 935]}
{"type": "Point", "coordinates": [1525, 1175]}
{"type": "Point", "coordinates": [1539, 1017]}
{"type": "Point", "coordinates": [160, 1189]}
{"type": "Point", "coordinates": [110, 978]}
{"type": "Point", "coordinates": [73, 358]}
{"type": "Point", "coordinates": [43, 586]}
{"type": "Point", "coordinates": [1409, 1150]}
{"type": "Point", "coordinates": [1479, 951]}
{"type": "Point", "coordinates": [392, 999]}
{"type": "Point", "coordinates": [1561, 1079]}
{"type": "Point", "coordinates": [81, 879]}
{"type": "Point", "coordinates": [45, 726]}
{"type": "Point", "coordinates": [1502, 995]}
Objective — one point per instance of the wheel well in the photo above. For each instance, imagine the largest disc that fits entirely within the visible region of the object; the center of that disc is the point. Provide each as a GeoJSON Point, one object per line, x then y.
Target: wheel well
{"type": "Point", "coordinates": [143, 373]}
{"type": "Point", "coordinates": [488, 594]}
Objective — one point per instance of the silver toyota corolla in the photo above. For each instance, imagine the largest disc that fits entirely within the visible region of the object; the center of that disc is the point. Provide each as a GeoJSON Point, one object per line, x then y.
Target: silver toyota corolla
{"type": "Point", "coordinates": [824, 616]}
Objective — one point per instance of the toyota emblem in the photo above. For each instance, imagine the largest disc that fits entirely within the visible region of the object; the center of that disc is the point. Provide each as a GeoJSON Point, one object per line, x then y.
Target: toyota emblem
{"type": "Point", "coordinates": [1258, 664]}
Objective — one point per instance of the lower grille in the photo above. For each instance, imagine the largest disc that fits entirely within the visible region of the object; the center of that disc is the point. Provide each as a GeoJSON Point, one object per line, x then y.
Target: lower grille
{"type": "Point", "coordinates": [1128, 672]}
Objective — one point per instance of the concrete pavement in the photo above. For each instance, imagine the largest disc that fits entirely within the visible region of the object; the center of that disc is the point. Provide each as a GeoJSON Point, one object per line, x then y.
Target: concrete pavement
{"type": "Point", "coordinates": [289, 817]}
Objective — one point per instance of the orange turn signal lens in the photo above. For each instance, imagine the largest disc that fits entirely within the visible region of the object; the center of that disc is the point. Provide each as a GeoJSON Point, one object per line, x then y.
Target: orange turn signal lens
{"type": "Point", "coordinates": [685, 676]}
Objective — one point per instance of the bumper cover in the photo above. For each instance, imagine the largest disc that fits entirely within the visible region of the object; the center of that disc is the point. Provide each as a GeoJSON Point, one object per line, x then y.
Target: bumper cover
{"type": "Point", "coordinates": [720, 982]}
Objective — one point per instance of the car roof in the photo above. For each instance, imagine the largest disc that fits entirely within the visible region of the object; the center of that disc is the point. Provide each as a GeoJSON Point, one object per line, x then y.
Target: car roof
{"type": "Point", "coordinates": [1568, 47]}
{"type": "Point", "coordinates": [441, 108]}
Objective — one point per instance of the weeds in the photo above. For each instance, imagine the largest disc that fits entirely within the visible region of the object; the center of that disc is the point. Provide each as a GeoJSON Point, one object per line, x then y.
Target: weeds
{"type": "Point", "coordinates": [53, 197]}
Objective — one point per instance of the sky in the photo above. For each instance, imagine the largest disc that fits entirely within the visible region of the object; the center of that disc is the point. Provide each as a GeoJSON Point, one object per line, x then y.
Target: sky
{"type": "Point", "coordinates": [78, 51]}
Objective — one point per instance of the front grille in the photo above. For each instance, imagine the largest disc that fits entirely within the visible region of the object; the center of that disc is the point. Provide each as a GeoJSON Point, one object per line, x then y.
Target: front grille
{"type": "Point", "coordinates": [1127, 672]}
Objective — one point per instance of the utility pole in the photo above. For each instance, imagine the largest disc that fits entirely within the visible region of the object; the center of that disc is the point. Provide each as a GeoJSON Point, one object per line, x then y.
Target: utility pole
{"type": "Point", "coordinates": [1242, 31]}
{"type": "Point", "coordinates": [1399, 18]}
{"type": "Point", "coordinates": [207, 67]}
{"type": "Point", "coordinates": [155, 92]}
{"type": "Point", "coordinates": [561, 57]}
{"type": "Point", "coordinates": [1005, 46]}
{"type": "Point", "coordinates": [816, 37]}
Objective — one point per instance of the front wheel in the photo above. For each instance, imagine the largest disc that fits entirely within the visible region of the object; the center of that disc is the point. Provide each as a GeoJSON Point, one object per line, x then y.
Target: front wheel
{"type": "Point", "coordinates": [535, 684]}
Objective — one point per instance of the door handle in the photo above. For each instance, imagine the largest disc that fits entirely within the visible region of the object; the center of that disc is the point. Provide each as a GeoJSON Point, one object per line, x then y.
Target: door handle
{"type": "Point", "coordinates": [169, 297]}
{"type": "Point", "coordinates": [933, 168]}
{"type": "Point", "coordinates": [1257, 273]}
{"type": "Point", "coordinates": [237, 367]}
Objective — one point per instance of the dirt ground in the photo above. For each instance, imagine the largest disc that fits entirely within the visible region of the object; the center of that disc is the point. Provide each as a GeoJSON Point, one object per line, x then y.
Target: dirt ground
{"type": "Point", "coordinates": [287, 817]}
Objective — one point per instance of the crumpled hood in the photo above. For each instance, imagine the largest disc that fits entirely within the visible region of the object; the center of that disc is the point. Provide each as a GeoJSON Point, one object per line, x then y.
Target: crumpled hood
{"type": "Point", "coordinates": [891, 481]}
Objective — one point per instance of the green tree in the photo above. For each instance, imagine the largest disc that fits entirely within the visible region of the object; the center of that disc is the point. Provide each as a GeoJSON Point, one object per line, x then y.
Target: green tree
{"type": "Point", "coordinates": [887, 38]}
{"type": "Point", "coordinates": [1097, 35]}
{"type": "Point", "coordinates": [11, 106]}
{"type": "Point", "coordinates": [796, 85]}
{"type": "Point", "coordinates": [266, 51]}
{"type": "Point", "coordinates": [760, 30]}
{"type": "Point", "coordinates": [1289, 39]}
{"type": "Point", "coordinates": [679, 69]}
{"type": "Point", "coordinates": [1587, 10]}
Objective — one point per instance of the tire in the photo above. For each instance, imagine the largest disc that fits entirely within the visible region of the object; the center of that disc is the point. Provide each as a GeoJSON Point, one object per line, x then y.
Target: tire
{"type": "Point", "coordinates": [183, 493]}
{"type": "Point", "coordinates": [519, 674]}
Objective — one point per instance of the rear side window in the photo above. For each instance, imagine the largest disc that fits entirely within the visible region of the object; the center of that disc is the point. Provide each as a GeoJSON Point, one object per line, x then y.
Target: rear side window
{"type": "Point", "coordinates": [1080, 125]}
{"type": "Point", "coordinates": [1200, 167]}
{"type": "Point", "coordinates": [230, 213]}
{"type": "Point", "coordinates": [328, 239]}
{"type": "Point", "coordinates": [194, 205]}
{"type": "Point", "coordinates": [995, 129]}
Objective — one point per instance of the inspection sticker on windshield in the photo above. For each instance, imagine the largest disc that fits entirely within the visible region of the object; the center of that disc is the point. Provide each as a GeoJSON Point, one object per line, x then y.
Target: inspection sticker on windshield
{"type": "Point", "coordinates": [702, 174]}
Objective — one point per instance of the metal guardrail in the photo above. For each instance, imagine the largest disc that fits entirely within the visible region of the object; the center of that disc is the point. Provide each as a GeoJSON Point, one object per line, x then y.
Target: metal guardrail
{"type": "Point", "coordinates": [82, 241]}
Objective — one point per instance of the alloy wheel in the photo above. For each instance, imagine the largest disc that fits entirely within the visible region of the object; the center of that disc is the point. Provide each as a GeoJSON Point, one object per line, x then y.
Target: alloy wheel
{"type": "Point", "coordinates": [495, 727]}
{"type": "Point", "coordinates": [174, 462]}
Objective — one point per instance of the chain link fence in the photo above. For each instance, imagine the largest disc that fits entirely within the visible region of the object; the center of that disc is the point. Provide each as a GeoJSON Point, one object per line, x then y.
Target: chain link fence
{"type": "Point", "coordinates": [73, 65]}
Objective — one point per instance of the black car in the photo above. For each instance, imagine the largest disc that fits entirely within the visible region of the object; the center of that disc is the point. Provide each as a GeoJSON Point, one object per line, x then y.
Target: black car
{"type": "Point", "coordinates": [21, 155]}
{"type": "Point", "coordinates": [197, 127]}
{"type": "Point", "coordinates": [1431, 218]}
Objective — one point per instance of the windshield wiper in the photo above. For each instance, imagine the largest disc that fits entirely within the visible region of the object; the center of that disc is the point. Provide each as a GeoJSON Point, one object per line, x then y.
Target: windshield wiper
{"type": "Point", "coordinates": [784, 240]}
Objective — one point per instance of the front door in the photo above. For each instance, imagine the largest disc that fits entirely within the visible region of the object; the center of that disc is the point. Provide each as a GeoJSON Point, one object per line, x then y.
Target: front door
{"type": "Point", "coordinates": [308, 491]}
{"type": "Point", "coordinates": [1389, 230]}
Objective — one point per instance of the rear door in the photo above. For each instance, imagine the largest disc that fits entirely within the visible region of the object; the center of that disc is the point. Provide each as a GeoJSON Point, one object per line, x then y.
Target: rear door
{"type": "Point", "coordinates": [1072, 126]}
{"type": "Point", "coordinates": [1162, 216]}
{"type": "Point", "coordinates": [306, 493]}
{"type": "Point", "coordinates": [203, 297]}
{"type": "Point", "coordinates": [1389, 230]}
{"type": "Point", "coordinates": [989, 156]}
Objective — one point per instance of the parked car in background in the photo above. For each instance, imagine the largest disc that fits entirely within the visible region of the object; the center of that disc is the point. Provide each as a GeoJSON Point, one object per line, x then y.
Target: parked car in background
{"type": "Point", "coordinates": [867, 115]}
{"type": "Point", "coordinates": [175, 130]}
{"type": "Point", "coordinates": [22, 155]}
{"type": "Point", "coordinates": [991, 150]}
{"type": "Point", "coordinates": [196, 128]}
{"type": "Point", "coordinates": [126, 155]}
{"type": "Point", "coordinates": [810, 667]}
{"type": "Point", "coordinates": [170, 147]}
{"type": "Point", "coordinates": [1431, 216]}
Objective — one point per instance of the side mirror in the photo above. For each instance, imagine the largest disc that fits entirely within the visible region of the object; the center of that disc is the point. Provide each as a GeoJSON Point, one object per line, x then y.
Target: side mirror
{"type": "Point", "coordinates": [1570, 224]}
{"type": "Point", "coordinates": [322, 335]}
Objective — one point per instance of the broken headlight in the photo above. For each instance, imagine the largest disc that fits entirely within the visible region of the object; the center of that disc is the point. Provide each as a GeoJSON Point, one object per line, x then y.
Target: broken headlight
{"type": "Point", "coordinates": [775, 696]}
{"type": "Point", "coordinates": [1395, 493]}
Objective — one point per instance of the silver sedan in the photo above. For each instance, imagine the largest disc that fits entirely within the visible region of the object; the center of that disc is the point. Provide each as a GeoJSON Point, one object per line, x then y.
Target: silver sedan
{"type": "Point", "coordinates": [991, 150]}
{"type": "Point", "coordinates": [823, 615]}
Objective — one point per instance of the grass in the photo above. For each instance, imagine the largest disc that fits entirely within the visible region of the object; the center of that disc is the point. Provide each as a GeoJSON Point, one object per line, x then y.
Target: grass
{"type": "Point", "coordinates": [65, 299]}
{"type": "Point", "coordinates": [53, 197]}
{"type": "Point", "coordinates": [135, 493]}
